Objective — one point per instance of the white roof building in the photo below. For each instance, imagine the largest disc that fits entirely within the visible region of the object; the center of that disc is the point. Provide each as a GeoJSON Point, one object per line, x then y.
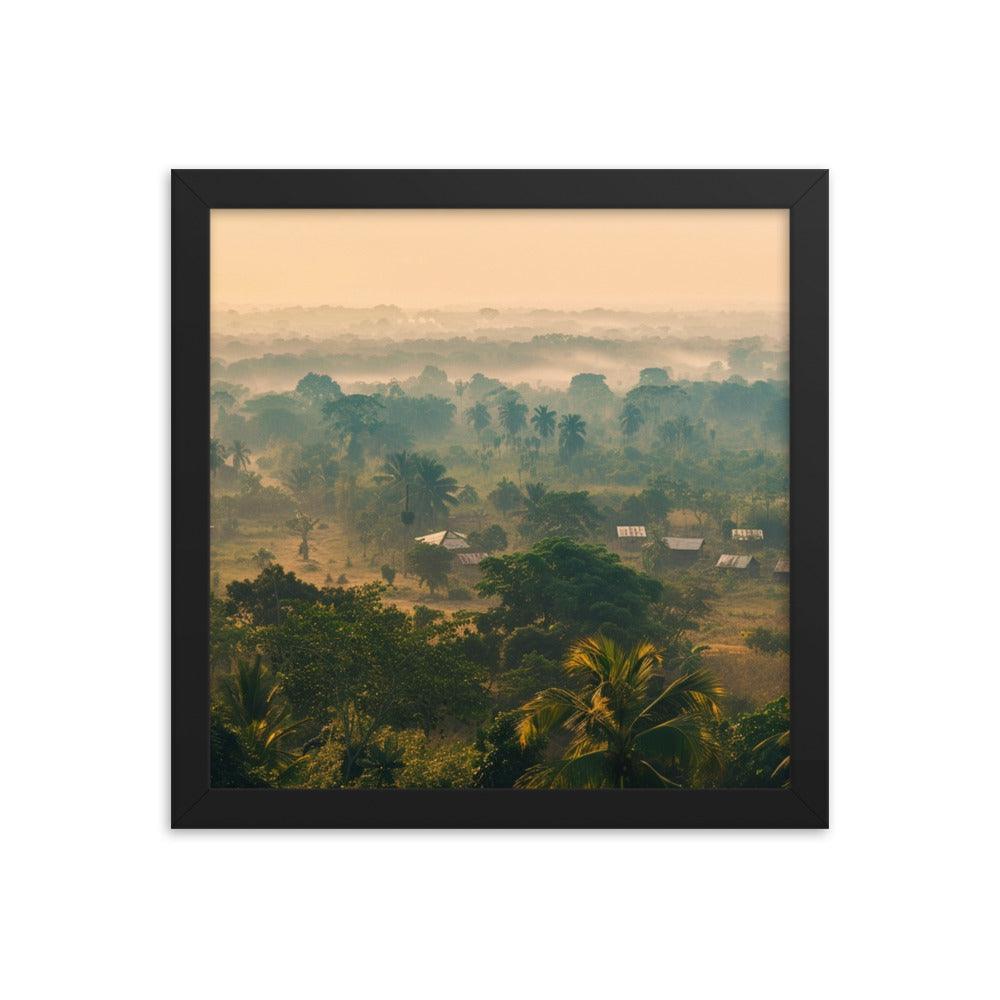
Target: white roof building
{"type": "Point", "coordinates": [448, 539]}
{"type": "Point", "coordinates": [748, 534]}
{"type": "Point", "coordinates": [631, 531]}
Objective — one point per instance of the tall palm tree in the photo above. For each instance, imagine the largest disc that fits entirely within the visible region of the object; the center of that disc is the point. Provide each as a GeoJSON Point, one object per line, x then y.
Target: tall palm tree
{"type": "Point", "coordinates": [512, 414]}
{"type": "Point", "coordinates": [217, 455]}
{"type": "Point", "coordinates": [544, 422]}
{"type": "Point", "coordinates": [623, 733]}
{"type": "Point", "coordinates": [572, 432]}
{"type": "Point", "coordinates": [631, 420]}
{"type": "Point", "coordinates": [398, 472]}
{"type": "Point", "coordinates": [241, 456]}
{"type": "Point", "coordinates": [255, 710]}
{"type": "Point", "coordinates": [478, 417]}
{"type": "Point", "coordinates": [433, 492]}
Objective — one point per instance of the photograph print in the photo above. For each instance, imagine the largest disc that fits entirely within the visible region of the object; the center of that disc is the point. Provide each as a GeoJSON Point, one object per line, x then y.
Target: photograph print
{"type": "Point", "coordinates": [499, 499]}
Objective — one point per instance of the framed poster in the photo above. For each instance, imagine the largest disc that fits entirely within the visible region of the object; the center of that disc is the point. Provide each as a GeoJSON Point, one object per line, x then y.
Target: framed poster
{"type": "Point", "coordinates": [487, 491]}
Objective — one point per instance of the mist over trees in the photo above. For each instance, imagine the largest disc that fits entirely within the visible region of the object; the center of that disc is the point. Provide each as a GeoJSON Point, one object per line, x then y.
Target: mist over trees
{"type": "Point", "coordinates": [416, 555]}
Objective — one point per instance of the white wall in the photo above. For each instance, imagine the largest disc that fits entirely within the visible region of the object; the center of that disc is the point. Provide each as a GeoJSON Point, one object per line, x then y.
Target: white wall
{"type": "Point", "coordinates": [102, 99]}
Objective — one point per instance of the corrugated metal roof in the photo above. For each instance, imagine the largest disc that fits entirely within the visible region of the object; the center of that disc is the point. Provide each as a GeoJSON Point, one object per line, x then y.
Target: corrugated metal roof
{"type": "Point", "coordinates": [782, 566]}
{"type": "Point", "coordinates": [449, 539]}
{"type": "Point", "coordinates": [684, 544]}
{"type": "Point", "coordinates": [470, 558]}
{"type": "Point", "coordinates": [631, 531]}
{"type": "Point", "coordinates": [735, 562]}
{"type": "Point", "coordinates": [748, 534]}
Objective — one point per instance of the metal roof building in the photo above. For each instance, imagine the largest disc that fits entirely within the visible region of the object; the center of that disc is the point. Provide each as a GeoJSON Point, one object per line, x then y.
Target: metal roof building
{"type": "Point", "coordinates": [684, 544]}
{"type": "Point", "coordinates": [631, 531]}
{"type": "Point", "coordinates": [449, 539]}
{"type": "Point", "coordinates": [748, 563]}
{"type": "Point", "coordinates": [469, 558]}
{"type": "Point", "coordinates": [783, 568]}
{"type": "Point", "coordinates": [748, 534]}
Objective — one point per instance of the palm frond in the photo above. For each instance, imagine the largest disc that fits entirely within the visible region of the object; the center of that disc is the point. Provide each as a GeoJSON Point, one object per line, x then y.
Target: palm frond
{"type": "Point", "coordinates": [588, 770]}
{"type": "Point", "coordinates": [548, 709]}
{"type": "Point", "coordinates": [694, 691]}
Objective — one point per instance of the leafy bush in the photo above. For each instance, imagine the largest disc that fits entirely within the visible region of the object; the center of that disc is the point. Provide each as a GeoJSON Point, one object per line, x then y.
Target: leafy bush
{"type": "Point", "coordinates": [502, 758]}
{"type": "Point", "coordinates": [766, 640]}
{"type": "Point", "coordinates": [431, 763]}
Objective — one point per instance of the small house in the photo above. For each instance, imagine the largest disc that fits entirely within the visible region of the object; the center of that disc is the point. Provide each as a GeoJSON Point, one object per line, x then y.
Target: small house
{"type": "Point", "coordinates": [748, 535]}
{"type": "Point", "coordinates": [631, 536]}
{"type": "Point", "coordinates": [469, 561]}
{"type": "Point", "coordinates": [783, 570]}
{"type": "Point", "coordinates": [739, 564]}
{"type": "Point", "coordinates": [447, 539]}
{"type": "Point", "coordinates": [684, 550]}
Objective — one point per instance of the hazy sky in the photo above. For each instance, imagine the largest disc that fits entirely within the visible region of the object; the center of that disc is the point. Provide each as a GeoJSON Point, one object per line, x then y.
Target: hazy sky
{"type": "Point", "coordinates": [569, 259]}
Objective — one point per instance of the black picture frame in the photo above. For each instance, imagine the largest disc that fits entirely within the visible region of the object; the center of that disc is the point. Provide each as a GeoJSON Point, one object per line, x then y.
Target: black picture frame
{"type": "Point", "coordinates": [805, 193]}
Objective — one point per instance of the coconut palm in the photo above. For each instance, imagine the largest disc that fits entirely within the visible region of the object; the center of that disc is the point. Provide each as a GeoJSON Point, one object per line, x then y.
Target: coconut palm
{"type": "Point", "coordinates": [253, 707]}
{"type": "Point", "coordinates": [623, 732]}
{"type": "Point", "coordinates": [217, 455]}
{"type": "Point", "coordinates": [398, 471]}
{"type": "Point", "coordinates": [241, 456]}
{"type": "Point", "coordinates": [478, 417]}
{"type": "Point", "coordinates": [572, 434]}
{"type": "Point", "coordinates": [631, 420]}
{"type": "Point", "coordinates": [544, 422]}
{"type": "Point", "coordinates": [512, 414]}
{"type": "Point", "coordinates": [432, 491]}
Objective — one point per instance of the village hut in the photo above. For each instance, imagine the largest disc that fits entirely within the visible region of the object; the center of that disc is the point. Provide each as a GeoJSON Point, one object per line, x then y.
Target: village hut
{"type": "Point", "coordinates": [748, 535]}
{"type": "Point", "coordinates": [467, 563]}
{"type": "Point", "coordinates": [631, 536]}
{"type": "Point", "coordinates": [684, 550]}
{"type": "Point", "coordinates": [783, 570]}
{"type": "Point", "coordinates": [447, 539]}
{"type": "Point", "coordinates": [739, 564]}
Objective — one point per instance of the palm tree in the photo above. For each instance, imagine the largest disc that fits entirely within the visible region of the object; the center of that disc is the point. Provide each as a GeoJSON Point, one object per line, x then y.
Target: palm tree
{"type": "Point", "coordinates": [479, 417]}
{"type": "Point", "coordinates": [622, 733]}
{"type": "Point", "coordinates": [398, 472]}
{"type": "Point", "coordinates": [255, 710]}
{"type": "Point", "coordinates": [512, 415]}
{"type": "Point", "coordinates": [468, 494]}
{"type": "Point", "coordinates": [782, 740]}
{"type": "Point", "coordinates": [433, 492]}
{"type": "Point", "coordinates": [544, 422]}
{"type": "Point", "coordinates": [217, 455]}
{"type": "Point", "coordinates": [631, 419]}
{"type": "Point", "coordinates": [241, 456]}
{"type": "Point", "coordinates": [572, 432]}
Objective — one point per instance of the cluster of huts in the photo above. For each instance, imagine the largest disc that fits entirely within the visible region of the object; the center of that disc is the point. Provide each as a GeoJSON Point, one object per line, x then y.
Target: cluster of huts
{"type": "Point", "coordinates": [688, 550]}
{"type": "Point", "coordinates": [682, 550]}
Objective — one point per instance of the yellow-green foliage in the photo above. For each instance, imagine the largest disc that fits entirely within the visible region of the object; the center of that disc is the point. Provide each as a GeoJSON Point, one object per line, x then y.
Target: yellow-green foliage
{"type": "Point", "coordinates": [433, 762]}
